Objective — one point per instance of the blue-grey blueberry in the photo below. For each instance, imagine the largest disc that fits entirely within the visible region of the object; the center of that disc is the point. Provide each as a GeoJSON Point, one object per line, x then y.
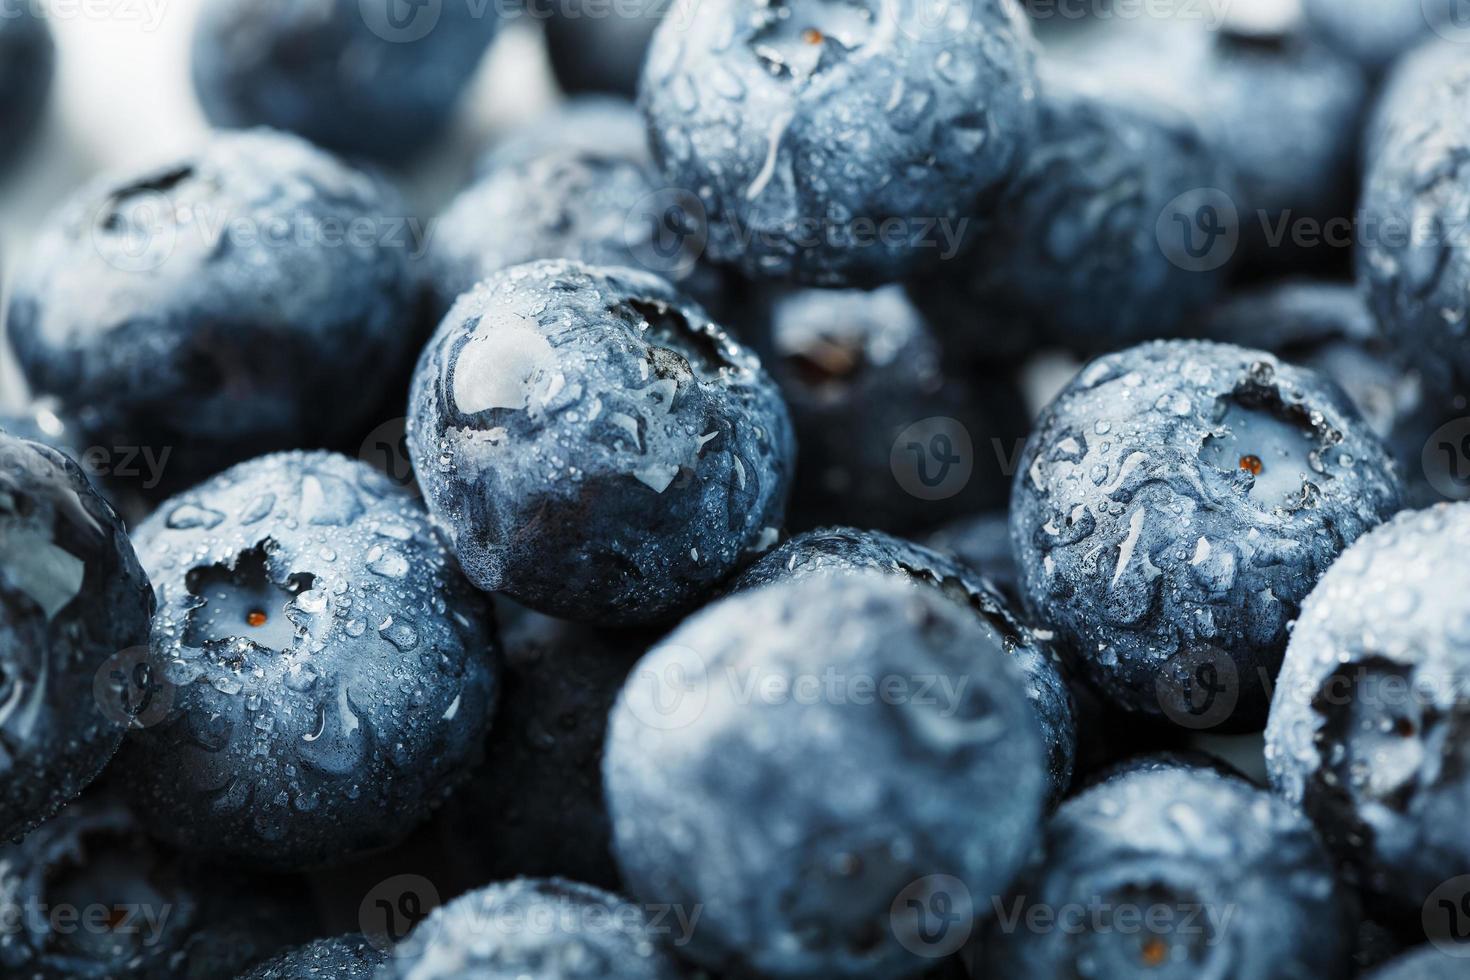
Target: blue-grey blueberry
{"type": "Point", "coordinates": [27, 64]}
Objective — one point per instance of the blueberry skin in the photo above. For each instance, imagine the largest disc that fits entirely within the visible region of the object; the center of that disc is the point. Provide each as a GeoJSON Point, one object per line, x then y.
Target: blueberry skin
{"type": "Point", "coordinates": [330, 671]}
{"type": "Point", "coordinates": [27, 64]}
{"type": "Point", "coordinates": [577, 933]}
{"type": "Point", "coordinates": [1374, 32]}
{"type": "Point", "coordinates": [1145, 540]}
{"type": "Point", "coordinates": [797, 120]}
{"type": "Point", "coordinates": [1076, 249]}
{"type": "Point", "coordinates": [177, 920]}
{"type": "Point", "coordinates": [591, 53]}
{"type": "Point", "coordinates": [535, 808]}
{"type": "Point", "coordinates": [563, 204]}
{"type": "Point", "coordinates": [1426, 963]}
{"type": "Point", "coordinates": [596, 448]}
{"type": "Point", "coordinates": [217, 347]}
{"type": "Point", "coordinates": [1242, 885]}
{"type": "Point", "coordinates": [1367, 729]}
{"type": "Point", "coordinates": [845, 551]}
{"type": "Point", "coordinates": [72, 594]}
{"type": "Point", "coordinates": [339, 958]}
{"type": "Point", "coordinates": [859, 368]}
{"type": "Point", "coordinates": [1415, 267]}
{"type": "Point", "coordinates": [792, 821]}
{"type": "Point", "coordinates": [983, 543]}
{"type": "Point", "coordinates": [596, 124]}
{"type": "Point", "coordinates": [348, 75]}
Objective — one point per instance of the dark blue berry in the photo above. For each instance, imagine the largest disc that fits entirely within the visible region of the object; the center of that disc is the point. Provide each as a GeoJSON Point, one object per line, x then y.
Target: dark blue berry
{"type": "Point", "coordinates": [595, 446]}
{"type": "Point", "coordinates": [1172, 873]}
{"type": "Point", "coordinates": [1426, 963]}
{"type": "Point", "coordinates": [1367, 732]}
{"type": "Point", "coordinates": [330, 674]}
{"type": "Point", "coordinates": [72, 598]}
{"type": "Point", "coordinates": [597, 49]}
{"type": "Point", "coordinates": [840, 142]}
{"type": "Point", "coordinates": [27, 63]}
{"type": "Point", "coordinates": [223, 306]}
{"type": "Point", "coordinates": [88, 896]}
{"type": "Point", "coordinates": [551, 929]}
{"type": "Point", "coordinates": [1375, 32]}
{"type": "Point", "coordinates": [843, 551]}
{"type": "Point", "coordinates": [801, 760]}
{"type": "Point", "coordinates": [340, 958]}
{"type": "Point", "coordinates": [1174, 506]}
{"type": "Point", "coordinates": [859, 370]}
{"type": "Point", "coordinates": [372, 78]}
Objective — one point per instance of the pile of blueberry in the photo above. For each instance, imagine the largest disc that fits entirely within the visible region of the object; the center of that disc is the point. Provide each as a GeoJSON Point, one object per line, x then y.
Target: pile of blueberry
{"type": "Point", "coordinates": [936, 488]}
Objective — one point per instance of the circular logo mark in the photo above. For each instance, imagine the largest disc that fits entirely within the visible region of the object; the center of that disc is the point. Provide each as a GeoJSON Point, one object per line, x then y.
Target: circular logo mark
{"type": "Point", "coordinates": [385, 449]}
{"type": "Point", "coordinates": [933, 459]}
{"type": "Point", "coordinates": [666, 232]}
{"type": "Point", "coordinates": [933, 21]}
{"type": "Point", "coordinates": [933, 916]}
{"type": "Point", "coordinates": [669, 689]}
{"type": "Point", "coordinates": [1446, 917]}
{"type": "Point", "coordinates": [1199, 230]}
{"type": "Point", "coordinates": [1199, 688]}
{"type": "Point", "coordinates": [394, 907]}
{"type": "Point", "coordinates": [401, 21]}
{"type": "Point", "coordinates": [1450, 19]}
{"type": "Point", "coordinates": [130, 691]}
{"type": "Point", "coordinates": [1446, 460]}
{"type": "Point", "coordinates": [137, 233]}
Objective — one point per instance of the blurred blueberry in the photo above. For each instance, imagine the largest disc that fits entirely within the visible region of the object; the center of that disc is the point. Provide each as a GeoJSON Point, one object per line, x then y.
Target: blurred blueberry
{"type": "Point", "coordinates": [601, 125]}
{"type": "Point", "coordinates": [27, 63]}
{"type": "Point", "coordinates": [340, 958]}
{"type": "Point", "coordinates": [597, 47]}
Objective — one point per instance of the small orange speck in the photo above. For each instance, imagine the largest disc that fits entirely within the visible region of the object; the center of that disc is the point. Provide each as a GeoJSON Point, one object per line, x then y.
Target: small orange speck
{"type": "Point", "coordinates": [812, 36]}
{"type": "Point", "coordinates": [1252, 464]}
{"type": "Point", "coordinates": [1155, 951]}
{"type": "Point", "coordinates": [255, 617]}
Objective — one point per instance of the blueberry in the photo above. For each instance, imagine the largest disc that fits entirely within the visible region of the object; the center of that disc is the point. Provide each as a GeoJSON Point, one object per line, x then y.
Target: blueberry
{"type": "Point", "coordinates": [1367, 725]}
{"type": "Point", "coordinates": [595, 124]}
{"type": "Point", "coordinates": [840, 142]}
{"type": "Point", "coordinates": [1173, 872]}
{"type": "Point", "coordinates": [219, 307]}
{"type": "Point", "coordinates": [550, 929]}
{"type": "Point", "coordinates": [1413, 262]}
{"type": "Point", "coordinates": [340, 958]}
{"type": "Point", "coordinates": [597, 49]}
{"type": "Point", "coordinates": [1262, 69]}
{"type": "Point", "coordinates": [39, 423]}
{"type": "Point", "coordinates": [844, 551]}
{"type": "Point", "coordinates": [563, 204]}
{"type": "Point", "coordinates": [858, 370]}
{"type": "Point", "coordinates": [809, 762]}
{"type": "Point", "coordinates": [72, 595]}
{"type": "Point", "coordinates": [330, 671]}
{"type": "Point", "coordinates": [371, 78]}
{"type": "Point", "coordinates": [1174, 506]}
{"type": "Point", "coordinates": [983, 543]}
{"type": "Point", "coordinates": [27, 63]}
{"type": "Point", "coordinates": [165, 918]}
{"type": "Point", "coordinates": [535, 807]}
{"type": "Point", "coordinates": [1375, 32]}
{"type": "Point", "coordinates": [1426, 963]}
{"type": "Point", "coordinates": [1327, 327]}
{"type": "Point", "coordinates": [596, 448]}
{"type": "Point", "coordinates": [1076, 249]}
